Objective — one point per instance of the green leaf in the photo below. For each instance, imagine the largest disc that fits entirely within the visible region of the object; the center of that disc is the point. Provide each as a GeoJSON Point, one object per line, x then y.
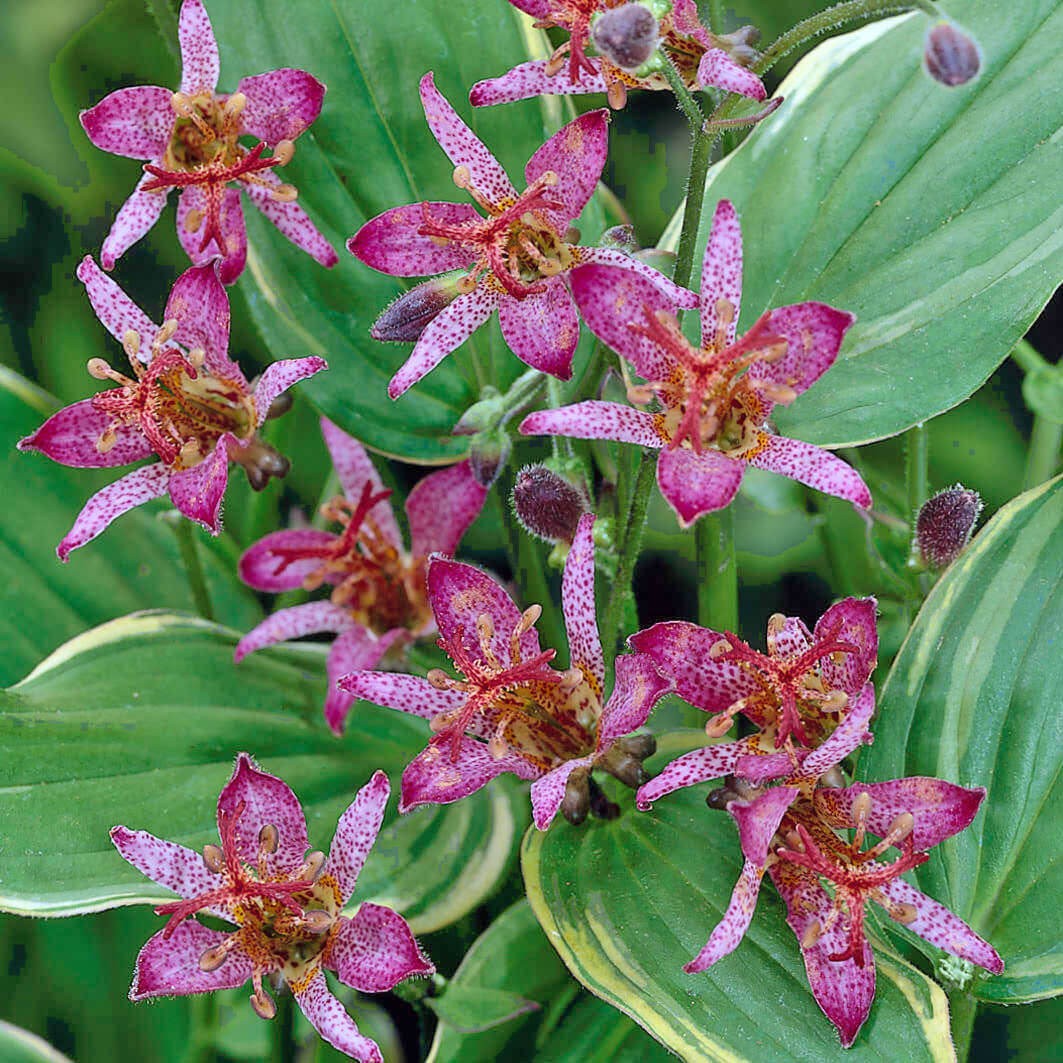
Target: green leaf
{"type": "Point", "coordinates": [133, 565]}
{"type": "Point", "coordinates": [473, 1009]}
{"type": "Point", "coordinates": [627, 903]}
{"type": "Point", "coordinates": [593, 1032]}
{"type": "Point", "coordinates": [21, 1046]}
{"type": "Point", "coordinates": [875, 189]}
{"type": "Point", "coordinates": [137, 722]}
{"type": "Point", "coordinates": [973, 697]}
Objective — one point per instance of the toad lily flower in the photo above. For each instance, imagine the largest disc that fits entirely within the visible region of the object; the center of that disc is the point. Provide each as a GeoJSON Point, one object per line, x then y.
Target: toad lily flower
{"type": "Point", "coordinates": [378, 599]}
{"type": "Point", "coordinates": [715, 400]}
{"type": "Point", "coordinates": [190, 140]}
{"type": "Point", "coordinates": [185, 401]}
{"type": "Point", "coordinates": [702, 59]}
{"type": "Point", "coordinates": [287, 904]}
{"type": "Point", "coordinates": [826, 881]}
{"type": "Point", "coordinates": [811, 687]}
{"type": "Point", "coordinates": [511, 711]}
{"type": "Point", "coordinates": [518, 255]}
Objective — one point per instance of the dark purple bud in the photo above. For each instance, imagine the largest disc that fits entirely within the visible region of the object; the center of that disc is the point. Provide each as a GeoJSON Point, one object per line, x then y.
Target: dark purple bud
{"type": "Point", "coordinates": [488, 454]}
{"type": "Point", "coordinates": [547, 505]}
{"type": "Point", "coordinates": [621, 238]}
{"type": "Point", "coordinates": [280, 405]}
{"type": "Point", "coordinates": [576, 803]}
{"type": "Point", "coordinates": [601, 806]}
{"type": "Point", "coordinates": [950, 55]}
{"type": "Point", "coordinates": [944, 525]}
{"type": "Point", "coordinates": [627, 35]}
{"type": "Point", "coordinates": [409, 315]}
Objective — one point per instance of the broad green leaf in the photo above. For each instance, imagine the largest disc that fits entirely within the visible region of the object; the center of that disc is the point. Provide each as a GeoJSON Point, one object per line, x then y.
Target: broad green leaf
{"type": "Point", "coordinates": [934, 214]}
{"type": "Point", "coordinates": [974, 698]}
{"type": "Point", "coordinates": [473, 1009]}
{"type": "Point", "coordinates": [21, 1046]}
{"type": "Point", "coordinates": [133, 565]}
{"type": "Point", "coordinates": [627, 903]}
{"type": "Point", "coordinates": [137, 722]}
{"type": "Point", "coordinates": [593, 1032]}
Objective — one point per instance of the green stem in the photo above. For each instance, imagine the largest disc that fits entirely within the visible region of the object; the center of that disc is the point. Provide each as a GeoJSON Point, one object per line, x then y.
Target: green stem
{"type": "Point", "coordinates": [683, 96]}
{"type": "Point", "coordinates": [915, 472]}
{"type": "Point", "coordinates": [717, 573]}
{"type": "Point", "coordinates": [282, 1048]}
{"type": "Point", "coordinates": [203, 1013]}
{"type": "Point", "coordinates": [963, 1009]}
{"type": "Point", "coordinates": [186, 543]}
{"type": "Point", "coordinates": [1042, 459]}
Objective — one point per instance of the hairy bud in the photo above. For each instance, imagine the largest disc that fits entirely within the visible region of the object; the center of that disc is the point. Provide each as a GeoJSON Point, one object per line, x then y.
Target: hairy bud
{"type": "Point", "coordinates": [488, 454]}
{"type": "Point", "coordinates": [944, 525]}
{"type": "Point", "coordinates": [547, 505]}
{"type": "Point", "coordinates": [409, 315]}
{"type": "Point", "coordinates": [627, 35]}
{"type": "Point", "coordinates": [950, 56]}
{"type": "Point", "coordinates": [621, 238]}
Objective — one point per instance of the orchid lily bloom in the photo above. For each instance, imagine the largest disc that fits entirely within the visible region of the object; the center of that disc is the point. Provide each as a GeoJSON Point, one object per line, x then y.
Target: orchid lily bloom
{"type": "Point", "coordinates": [518, 253]}
{"type": "Point", "coordinates": [186, 402]}
{"type": "Point", "coordinates": [702, 59]}
{"type": "Point", "coordinates": [511, 711]}
{"type": "Point", "coordinates": [378, 599]}
{"type": "Point", "coordinates": [715, 400]}
{"type": "Point", "coordinates": [286, 902]}
{"type": "Point", "coordinates": [190, 140]}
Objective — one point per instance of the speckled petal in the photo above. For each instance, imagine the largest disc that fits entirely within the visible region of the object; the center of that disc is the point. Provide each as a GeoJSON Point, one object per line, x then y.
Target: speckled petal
{"type": "Point", "coordinates": [595, 420]}
{"type": "Point", "coordinates": [70, 436]}
{"type": "Point", "coordinates": [542, 330]}
{"type": "Point", "coordinates": [328, 1017]}
{"type": "Point", "coordinates": [375, 951]}
{"type": "Point", "coordinates": [281, 104]}
{"type": "Point", "coordinates": [810, 465]}
{"type": "Point", "coordinates": [576, 153]}
{"type": "Point", "coordinates": [136, 487]}
{"type": "Point", "coordinates": [199, 49]}
{"type": "Point", "coordinates": [535, 8]}
{"type": "Point", "coordinates": [310, 618]}
{"type": "Point", "coordinates": [695, 484]}
{"type": "Point", "coordinates": [850, 620]}
{"type": "Point", "coordinates": [233, 228]}
{"type": "Point", "coordinates": [849, 734]}
{"type": "Point", "coordinates": [136, 122]}
{"type": "Point", "coordinates": [791, 639]}
{"type": "Point", "coordinates": [117, 312]}
{"type": "Point", "coordinates": [290, 218]}
{"type": "Point", "coordinates": [136, 216]}
{"type": "Point", "coordinates": [577, 601]}
{"type": "Point", "coordinates": [548, 792]}
{"type": "Point", "coordinates": [266, 800]}
{"type": "Point", "coordinates": [200, 307]}
{"type": "Point", "coordinates": [721, 273]}
{"type": "Point", "coordinates": [262, 564]}
{"type": "Point", "coordinates": [463, 147]}
{"type": "Point", "coordinates": [405, 693]}
{"type": "Point", "coordinates": [450, 328]}
{"type": "Point", "coordinates": [697, 766]}
{"type": "Point", "coordinates": [759, 819]}
{"type": "Point", "coordinates": [279, 377]}
{"type": "Point", "coordinates": [356, 833]}
{"type": "Point", "coordinates": [637, 688]}
{"type": "Point", "coordinates": [355, 649]}
{"type": "Point", "coordinates": [168, 967]}
{"type": "Point", "coordinates": [719, 70]}
{"type": "Point", "coordinates": [735, 922]}
{"type": "Point", "coordinates": [392, 244]}
{"type": "Point", "coordinates": [167, 863]}
{"type": "Point", "coordinates": [441, 507]}
{"type": "Point", "coordinates": [611, 256]}
{"type": "Point", "coordinates": [530, 79]}
{"type": "Point", "coordinates": [198, 492]}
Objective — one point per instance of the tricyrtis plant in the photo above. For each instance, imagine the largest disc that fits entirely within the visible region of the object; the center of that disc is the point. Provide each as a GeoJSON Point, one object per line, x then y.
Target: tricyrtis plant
{"type": "Point", "coordinates": [484, 618]}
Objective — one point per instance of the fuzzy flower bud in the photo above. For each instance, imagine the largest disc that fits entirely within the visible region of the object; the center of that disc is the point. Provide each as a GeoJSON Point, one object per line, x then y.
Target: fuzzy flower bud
{"type": "Point", "coordinates": [627, 35]}
{"type": "Point", "coordinates": [547, 505]}
{"type": "Point", "coordinates": [950, 55]}
{"type": "Point", "coordinates": [488, 454]}
{"type": "Point", "coordinates": [409, 315]}
{"type": "Point", "coordinates": [944, 525]}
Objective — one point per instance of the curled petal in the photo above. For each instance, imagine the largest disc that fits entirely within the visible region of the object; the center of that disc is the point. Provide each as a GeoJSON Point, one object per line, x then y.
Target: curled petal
{"type": "Point", "coordinates": [200, 307]}
{"type": "Point", "coordinates": [548, 792]}
{"type": "Point", "coordinates": [135, 122]}
{"type": "Point", "coordinates": [328, 1017]}
{"type": "Point", "coordinates": [264, 566]}
{"type": "Point", "coordinates": [441, 507]}
{"type": "Point", "coordinates": [847, 736]}
{"type": "Point", "coordinates": [280, 376]}
{"type": "Point", "coordinates": [721, 273]}
{"type": "Point", "coordinates": [576, 153]}
{"type": "Point", "coordinates": [699, 765]}
{"type": "Point", "coordinates": [168, 967]}
{"type": "Point", "coordinates": [405, 693]}
{"type": "Point", "coordinates": [759, 819]}
{"type": "Point", "coordinates": [719, 70]}
{"type": "Point", "coordinates": [281, 104]}
{"type": "Point", "coordinates": [695, 484]}
{"type": "Point", "coordinates": [199, 49]}
{"type": "Point", "coordinates": [638, 687]}
{"type": "Point", "coordinates": [375, 951]}
{"type": "Point", "coordinates": [70, 437]}
{"type": "Point", "coordinates": [595, 420]}
{"type": "Point", "coordinates": [136, 216]}
{"type": "Point", "coordinates": [531, 79]}
{"type": "Point", "coordinates": [197, 492]}
{"type": "Point", "coordinates": [167, 863]}
{"type": "Point", "coordinates": [851, 620]}
{"type": "Point", "coordinates": [577, 601]}
{"type": "Point", "coordinates": [542, 330]}
{"type": "Point", "coordinates": [732, 928]}
{"type": "Point", "coordinates": [192, 208]}
{"type": "Point", "coordinates": [290, 218]}
{"type": "Point", "coordinates": [391, 242]}
{"type": "Point", "coordinates": [355, 834]}
{"type": "Point", "coordinates": [117, 312]}
{"type": "Point", "coordinates": [311, 618]}
{"type": "Point", "coordinates": [812, 466]}
{"type": "Point", "coordinates": [610, 256]}
{"type": "Point", "coordinates": [355, 649]}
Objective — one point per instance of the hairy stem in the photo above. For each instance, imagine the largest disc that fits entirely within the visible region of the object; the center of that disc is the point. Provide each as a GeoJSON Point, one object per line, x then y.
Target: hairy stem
{"type": "Point", "coordinates": [915, 469]}
{"type": "Point", "coordinates": [717, 573]}
{"type": "Point", "coordinates": [186, 544]}
{"type": "Point", "coordinates": [963, 1009]}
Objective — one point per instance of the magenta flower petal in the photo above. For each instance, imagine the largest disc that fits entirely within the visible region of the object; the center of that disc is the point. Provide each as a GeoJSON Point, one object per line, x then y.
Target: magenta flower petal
{"type": "Point", "coordinates": [463, 147]}
{"type": "Point", "coordinates": [328, 1017]}
{"type": "Point", "coordinates": [637, 688]}
{"type": "Point", "coordinates": [136, 217]}
{"type": "Point", "coordinates": [577, 602]}
{"type": "Point", "coordinates": [814, 467]}
{"type": "Point", "coordinates": [170, 966]}
{"type": "Point", "coordinates": [406, 693]}
{"type": "Point", "coordinates": [792, 639]}
{"type": "Point", "coordinates": [233, 228]}
{"type": "Point", "coordinates": [355, 649]}
{"type": "Point", "coordinates": [576, 153]}
{"type": "Point", "coordinates": [699, 765]}
{"type": "Point", "coordinates": [851, 620]}
{"type": "Point", "coordinates": [197, 492]}
{"type": "Point", "coordinates": [280, 376]}
{"type": "Point", "coordinates": [311, 618]}
{"type": "Point", "coordinates": [450, 328]}
{"type": "Point", "coordinates": [530, 79]}
{"type": "Point", "coordinates": [280, 104]}
{"type": "Point", "coordinates": [548, 792]}
{"type": "Point", "coordinates": [167, 863]}
{"type": "Point", "coordinates": [441, 507]}
{"type": "Point", "coordinates": [759, 819]}
{"type": "Point", "coordinates": [391, 243]}
{"type": "Point", "coordinates": [694, 484]}
{"type": "Point", "coordinates": [116, 311]}
{"type": "Point", "coordinates": [720, 71]}
{"type": "Point", "coordinates": [136, 122]}
{"type": "Point", "coordinates": [70, 435]}
{"type": "Point", "coordinates": [266, 800]}
{"type": "Point", "coordinates": [609, 256]}
{"type": "Point", "coordinates": [847, 736]}
{"type": "Point", "coordinates": [290, 219]}
{"type": "Point", "coordinates": [735, 922]}
{"type": "Point", "coordinates": [595, 420]}
{"type": "Point", "coordinates": [375, 951]}
{"type": "Point", "coordinates": [263, 564]}
{"type": "Point", "coordinates": [199, 49]}
{"type": "Point", "coordinates": [721, 273]}
{"type": "Point", "coordinates": [355, 834]}
{"type": "Point", "coordinates": [200, 307]}
{"type": "Point", "coordinates": [936, 924]}
{"type": "Point", "coordinates": [136, 487]}
{"type": "Point", "coordinates": [542, 330]}
{"type": "Point", "coordinates": [535, 8]}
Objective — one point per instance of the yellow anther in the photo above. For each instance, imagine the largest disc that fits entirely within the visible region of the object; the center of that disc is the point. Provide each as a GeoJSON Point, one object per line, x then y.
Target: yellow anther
{"type": "Point", "coordinates": [317, 921]}
{"type": "Point", "coordinates": [283, 151]}
{"type": "Point", "coordinates": [554, 64]}
{"type": "Point", "coordinates": [462, 176]}
{"type": "Point", "coordinates": [107, 440]}
{"type": "Point", "coordinates": [181, 104]}
{"type": "Point", "coordinates": [861, 808]}
{"type": "Point", "coordinates": [813, 932]}
{"type": "Point", "coordinates": [835, 701]}
{"type": "Point", "coordinates": [99, 369]}
{"type": "Point", "coordinates": [196, 357]}
{"type": "Point", "coordinates": [725, 311]}
{"type": "Point", "coordinates": [466, 284]}
{"type": "Point", "coordinates": [719, 725]}
{"type": "Point", "coordinates": [165, 334]}
{"type": "Point", "coordinates": [903, 913]}
{"type": "Point", "coordinates": [777, 392]}
{"type": "Point", "coordinates": [193, 220]}
{"type": "Point", "coordinates": [485, 628]}
{"type": "Point", "coordinates": [213, 858]}
{"type": "Point", "coordinates": [548, 178]}
{"type": "Point", "coordinates": [617, 95]}
{"type": "Point", "coordinates": [314, 863]}
{"type": "Point", "coordinates": [900, 828]}
{"type": "Point", "coordinates": [719, 649]}
{"type": "Point", "coordinates": [189, 454]}
{"type": "Point", "coordinates": [528, 619]}
{"type": "Point", "coordinates": [213, 958]}
{"type": "Point", "coordinates": [773, 353]}
{"type": "Point", "coordinates": [235, 104]}
{"type": "Point", "coordinates": [571, 679]}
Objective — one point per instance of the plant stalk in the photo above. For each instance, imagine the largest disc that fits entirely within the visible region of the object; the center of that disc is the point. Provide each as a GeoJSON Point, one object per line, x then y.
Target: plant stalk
{"type": "Point", "coordinates": [1042, 459]}
{"type": "Point", "coordinates": [963, 1009]}
{"type": "Point", "coordinates": [916, 469]}
{"type": "Point", "coordinates": [203, 1016]}
{"type": "Point", "coordinates": [186, 544]}
{"type": "Point", "coordinates": [717, 573]}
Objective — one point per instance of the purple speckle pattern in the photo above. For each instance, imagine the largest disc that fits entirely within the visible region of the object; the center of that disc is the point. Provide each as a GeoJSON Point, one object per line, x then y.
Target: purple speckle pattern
{"type": "Point", "coordinates": [542, 330]}
{"type": "Point", "coordinates": [280, 376]}
{"type": "Point", "coordinates": [117, 312]}
{"type": "Point", "coordinates": [281, 104]}
{"type": "Point", "coordinates": [169, 967]}
{"type": "Point", "coordinates": [200, 307]}
{"type": "Point", "coordinates": [328, 1017]}
{"type": "Point", "coordinates": [854, 621]}
{"type": "Point", "coordinates": [135, 217]}
{"type": "Point", "coordinates": [721, 272]}
{"type": "Point", "coordinates": [637, 688]}
{"type": "Point", "coordinates": [441, 507]}
{"type": "Point", "coordinates": [290, 219]}
{"type": "Point", "coordinates": [611, 256]}
{"type": "Point", "coordinates": [70, 435]}
{"type": "Point", "coordinates": [809, 465]}
{"type": "Point", "coordinates": [233, 228]}
{"type": "Point", "coordinates": [311, 618]}
{"type": "Point", "coordinates": [849, 734]}
{"type": "Point", "coordinates": [356, 832]}
{"type": "Point", "coordinates": [735, 922]}
{"type": "Point", "coordinates": [718, 70]}
{"type": "Point", "coordinates": [759, 819]}
{"type": "Point", "coordinates": [548, 792]}
{"type": "Point", "coordinates": [197, 492]}
{"type": "Point", "coordinates": [136, 122]}
{"type": "Point", "coordinates": [356, 648]}
{"type": "Point", "coordinates": [595, 420]}
{"type": "Point", "coordinates": [699, 765]}
{"type": "Point", "coordinates": [576, 153]}
{"type": "Point", "coordinates": [260, 562]}
{"type": "Point", "coordinates": [199, 50]}
{"type": "Point", "coordinates": [405, 693]}
{"type": "Point", "coordinates": [694, 484]}
{"type": "Point", "coordinates": [577, 600]}
{"type": "Point", "coordinates": [530, 79]}
{"type": "Point", "coordinates": [167, 863]}
{"type": "Point", "coordinates": [392, 244]}
{"type": "Point", "coordinates": [375, 950]}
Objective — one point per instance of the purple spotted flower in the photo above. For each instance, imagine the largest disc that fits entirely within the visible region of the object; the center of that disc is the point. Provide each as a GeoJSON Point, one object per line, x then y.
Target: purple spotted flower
{"type": "Point", "coordinates": [190, 140]}
{"type": "Point", "coordinates": [714, 400]}
{"type": "Point", "coordinates": [185, 401]}
{"type": "Point", "coordinates": [286, 903]}
{"type": "Point", "coordinates": [378, 600]}
{"type": "Point", "coordinates": [518, 253]}
{"type": "Point", "coordinates": [512, 711]}
{"type": "Point", "coordinates": [702, 59]}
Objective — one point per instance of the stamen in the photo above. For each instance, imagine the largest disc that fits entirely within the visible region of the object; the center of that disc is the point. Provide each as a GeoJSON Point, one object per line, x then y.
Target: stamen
{"type": "Point", "coordinates": [555, 63]}
{"type": "Point", "coordinates": [485, 630]}
{"type": "Point", "coordinates": [835, 701]}
{"type": "Point", "coordinates": [570, 679]}
{"type": "Point", "coordinates": [719, 725]}
{"type": "Point", "coordinates": [813, 932]}
{"type": "Point", "coordinates": [214, 957]}
{"type": "Point", "coordinates": [780, 393]}
{"type": "Point", "coordinates": [193, 220]}
{"type": "Point", "coordinates": [165, 334]}
{"type": "Point", "coordinates": [861, 810]}
{"type": "Point", "coordinates": [528, 619]}
{"type": "Point", "coordinates": [263, 1004]}
{"type": "Point", "coordinates": [107, 440]}
{"type": "Point", "coordinates": [776, 625]}
{"type": "Point", "coordinates": [466, 284]}
{"type": "Point", "coordinates": [99, 369]}
{"type": "Point", "coordinates": [130, 344]}
{"type": "Point", "coordinates": [439, 679]}
{"type": "Point", "coordinates": [903, 912]}
{"type": "Point", "coordinates": [901, 827]}
{"type": "Point", "coordinates": [462, 177]}
{"type": "Point", "coordinates": [268, 839]}
{"type": "Point", "coordinates": [497, 745]}
{"type": "Point", "coordinates": [719, 649]}
{"type": "Point", "coordinates": [617, 95]}
{"type": "Point", "coordinates": [196, 357]}
{"type": "Point", "coordinates": [317, 921]}
{"type": "Point", "coordinates": [312, 868]}
{"type": "Point", "coordinates": [235, 104]}
{"type": "Point", "coordinates": [284, 194]}
{"type": "Point", "coordinates": [213, 858]}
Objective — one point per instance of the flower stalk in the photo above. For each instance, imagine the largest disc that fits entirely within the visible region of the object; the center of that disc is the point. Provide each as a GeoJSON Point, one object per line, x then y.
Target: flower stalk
{"type": "Point", "coordinates": [717, 577]}
{"type": "Point", "coordinates": [189, 548]}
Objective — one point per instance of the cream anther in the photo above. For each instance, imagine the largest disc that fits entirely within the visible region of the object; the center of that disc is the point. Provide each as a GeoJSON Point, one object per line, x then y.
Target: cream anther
{"type": "Point", "coordinates": [438, 679]}
{"type": "Point", "coordinates": [901, 827]}
{"type": "Point", "coordinates": [462, 176]}
{"type": "Point", "coordinates": [131, 343]}
{"type": "Point", "coordinates": [780, 393]}
{"type": "Point", "coordinates": [213, 858]}
{"type": "Point", "coordinates": [196, 357]}
{"type": "Point", "coordinates": [314, 863]}
{"type": "Point", "coordinates": [719, 649]}
{"type": "Point", "coordinates": [528, 619]}
{"type": "Point", "coordinates": [317, 921]}
{"type": "Point", "coordinates": [263, 1004]}
{"type": "Point", "coordinates": [835, 701]}
{"type": "Point", "coordinates": [466, 284]}
{"type": "Point", "coordinates": [284, 194]}
{"type": "Point", "coordinates": [235, 104]}
{"type": "Point", "coordinates": [497, 746]}
{"type": "Point", "coordinates": [284, 151]}
{"type": "Point", "coordinates": [719, 725]}
{"type": "Point", "coordinates": [99, 369]}
{"type": "Point", "coordinates": [107, 440]}
{"type": "Point", "coordinates": [181, 104]}
{"type": "Point", "coordinates": [165, 334]}
{"type": "Point", "coordinates": [903, 912]}
{"type": "Point", "coordinates": [213, 958]}
{"type": "Point", "coordinates": [193, 220]}
{"type": "Point", "coordinates": [485, 628]}
{"type": "Point", "coordinates": [725, 311]}
{"type": "Point", "coordinates": [813, 932]}
{"type": "Point", "coordinates": [268, 838]}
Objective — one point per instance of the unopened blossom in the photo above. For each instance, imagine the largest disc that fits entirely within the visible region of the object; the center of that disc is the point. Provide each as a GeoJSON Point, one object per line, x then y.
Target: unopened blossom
{"type": "Point", "coordinates": [809, 695]}
{"type": "Point", "coordinates": [518, 253]}
{"type": "Point", "coordinates": [191, 140]}
{"type": "Point", "coordinates": [378, 599]}
{"type": "Point", "coordinates": [285, 902]}
{"type": "Point", "coordinates": [702, 59]}
{"type": "Point", "coordinates": [511, 709]}
{"type": "Point", "coordinates": [713, 401]}
{"type": "Point", "coordinates": [944, 525]}
{"type": "Point", "coordinates": [181, 399]}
